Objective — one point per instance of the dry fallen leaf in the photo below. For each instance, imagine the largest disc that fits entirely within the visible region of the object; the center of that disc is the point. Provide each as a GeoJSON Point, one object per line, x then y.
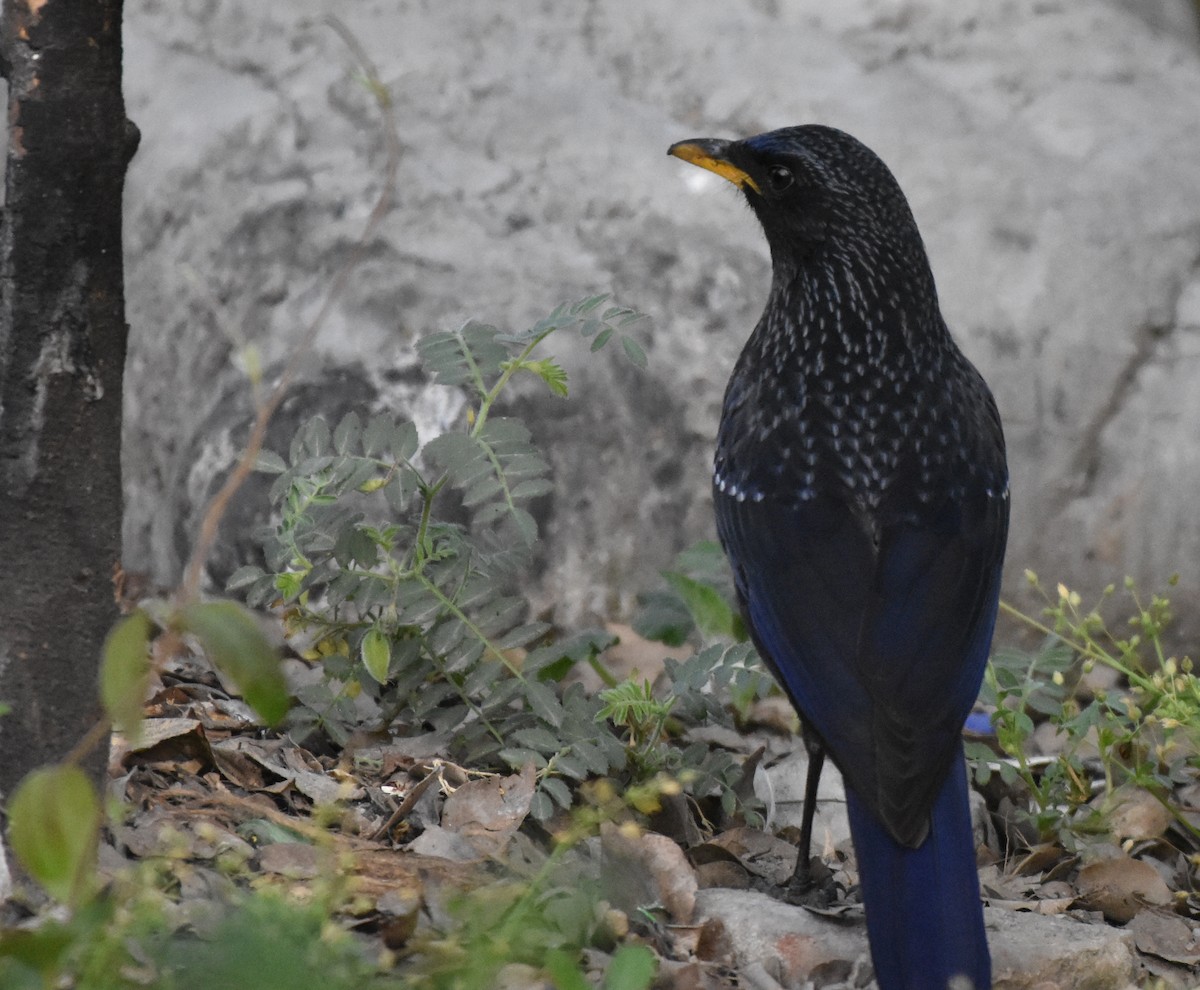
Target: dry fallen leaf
{"type": "Point", "coordinates": [1135, 813]}
{"type": "Point", "coordinates": [645, 870]}
{"type": "Point", "coordinates": [294, 860]}
{"type": "Point", "coordinates": [486, 812]}
{"type": "Point", "coordinates": [764, 855]}
{"type": "Point", "coordinates": [170, 740]}
{"type": "Point", "coordinates": [1166, 935]}
{"type": "Point", "coordinates": [1120, 887]}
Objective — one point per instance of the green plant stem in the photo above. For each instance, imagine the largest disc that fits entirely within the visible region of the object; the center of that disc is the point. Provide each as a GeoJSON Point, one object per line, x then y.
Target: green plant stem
{"type": "Point", "coordinates": [602, 672]}
{"type": "Point", "coordinates": [420, 544]}
{"type": "Point", "coordinates": [1017, 752]}
{"type": "Point", "coordinates": [450, 606]}
{"type": "Point", "coordinates": [490, 396]}
{"type": "Point", "coordinates": [1088, 648]}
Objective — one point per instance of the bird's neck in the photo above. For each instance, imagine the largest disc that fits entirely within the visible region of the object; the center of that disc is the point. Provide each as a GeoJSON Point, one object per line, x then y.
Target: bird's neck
{"type": "Point", "coordinates": [836, 303]}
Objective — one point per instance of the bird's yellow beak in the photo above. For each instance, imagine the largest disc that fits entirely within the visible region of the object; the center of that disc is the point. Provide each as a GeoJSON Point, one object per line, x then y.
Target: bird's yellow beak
{"type": "Point", "coordinates": [710, 153]}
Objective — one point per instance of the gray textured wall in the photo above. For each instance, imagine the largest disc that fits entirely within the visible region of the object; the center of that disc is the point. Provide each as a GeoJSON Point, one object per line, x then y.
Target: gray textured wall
{"type": "Point", "coordinates": [1051, 152]}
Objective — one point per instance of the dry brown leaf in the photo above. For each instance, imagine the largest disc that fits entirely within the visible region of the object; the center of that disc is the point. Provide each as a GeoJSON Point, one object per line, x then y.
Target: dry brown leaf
{"type": "Point", "coordinates": [642, 870]}
{"type": "Point", "coordinates": [775, 713]}
{"type": "Point", "coordinates": [723, 874]}
{"type": "Point", "coordinates": [676, 820]}
{"type": "Point", "coordinates": [1135, 813]}
{"type": "Point", "coordinates": [441, 843]}
{"type": "Point", "coordinates": [294, 860]}
{"type": "Point", "coordinates": [1120, 887]}
{"type": "Point", "coordinates": [487, 811]}
{"type": "Point", "coordinates": [238, 768]}
{"type": "Point", "coordinates": [1039, 858]}
{"type": "Point", "coordinates": [764, 855]}
{"type": "Point", "coordinates": [1167, 936]}
{"type": "Point", "coordinates": [170, 740]}
{"type": "Point", "coordinates": [1044, 905]}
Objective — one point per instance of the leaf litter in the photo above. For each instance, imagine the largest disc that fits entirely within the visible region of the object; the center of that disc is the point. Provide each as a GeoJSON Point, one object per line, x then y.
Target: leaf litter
{"type": "Point", "coordinates": [412, 830]}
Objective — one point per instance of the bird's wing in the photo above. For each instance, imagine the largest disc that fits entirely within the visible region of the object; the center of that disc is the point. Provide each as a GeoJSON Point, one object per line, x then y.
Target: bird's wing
{"type": "Point", "coordinates": [879, 637]}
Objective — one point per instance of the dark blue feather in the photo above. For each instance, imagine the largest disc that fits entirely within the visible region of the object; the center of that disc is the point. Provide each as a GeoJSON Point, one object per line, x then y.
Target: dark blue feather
{"type": "Point", "coordinates": [861, 495]}
{"type": "Point", "coordinates": [923, 911]}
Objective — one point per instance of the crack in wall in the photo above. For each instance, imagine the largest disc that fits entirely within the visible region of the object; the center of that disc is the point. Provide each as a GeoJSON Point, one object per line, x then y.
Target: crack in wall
{"type": "Point", "coordinates": [1085, 465]}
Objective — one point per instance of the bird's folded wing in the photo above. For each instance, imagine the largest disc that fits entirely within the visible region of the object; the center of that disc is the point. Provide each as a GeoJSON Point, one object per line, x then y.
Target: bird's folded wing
{"type": "Point", "coordinates": [878, 637]}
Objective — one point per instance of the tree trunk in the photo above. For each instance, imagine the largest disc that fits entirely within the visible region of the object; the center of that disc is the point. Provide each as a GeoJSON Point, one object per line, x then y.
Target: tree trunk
{"type": "Point", "coordinates": [62, 357]}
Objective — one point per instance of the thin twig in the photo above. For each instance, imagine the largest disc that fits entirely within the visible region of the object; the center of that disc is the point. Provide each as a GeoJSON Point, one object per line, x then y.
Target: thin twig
{"type": "Point", "coordinates": [406, 806]}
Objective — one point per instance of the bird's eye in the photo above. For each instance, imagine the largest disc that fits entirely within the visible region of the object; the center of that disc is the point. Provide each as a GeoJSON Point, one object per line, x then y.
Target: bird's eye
{"type": "Point", "coordinates": [780, 177]}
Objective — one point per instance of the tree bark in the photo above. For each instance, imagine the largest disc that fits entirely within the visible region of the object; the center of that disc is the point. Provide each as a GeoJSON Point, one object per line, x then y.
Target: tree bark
{"type": "Point", "coordinates": [62, 358]}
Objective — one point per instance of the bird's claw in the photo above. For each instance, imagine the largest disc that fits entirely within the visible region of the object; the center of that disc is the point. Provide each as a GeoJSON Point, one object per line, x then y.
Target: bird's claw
{"type": "Point", "coordinates": [812, 885]}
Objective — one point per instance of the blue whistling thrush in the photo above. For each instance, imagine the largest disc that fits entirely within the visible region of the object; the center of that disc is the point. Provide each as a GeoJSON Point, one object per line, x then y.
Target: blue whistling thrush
{"type": "Point", "coordinates": [861, 495]}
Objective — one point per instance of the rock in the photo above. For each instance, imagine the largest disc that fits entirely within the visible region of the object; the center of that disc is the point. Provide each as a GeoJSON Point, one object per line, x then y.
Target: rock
{"type": "Point", "coordinates": [1028, 951]}
{"type": "Point", "coordinates": [1049, 150]}
{"type": "Point", "coordinates": [793, 945]}
{"type": "Point", "coordinates": [1036, 952]}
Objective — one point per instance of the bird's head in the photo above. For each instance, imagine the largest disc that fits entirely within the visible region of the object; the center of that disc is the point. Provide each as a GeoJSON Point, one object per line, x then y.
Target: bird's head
{"type": "Point", "coordinates": [814, 189]}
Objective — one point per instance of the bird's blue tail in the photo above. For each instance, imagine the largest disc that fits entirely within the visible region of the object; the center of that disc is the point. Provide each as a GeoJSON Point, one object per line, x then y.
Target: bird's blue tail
{"type": "Point", "coordinates": [924, 915]}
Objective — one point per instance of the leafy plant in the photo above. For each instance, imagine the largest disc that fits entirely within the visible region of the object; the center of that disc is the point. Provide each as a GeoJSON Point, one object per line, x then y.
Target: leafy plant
{"type": "Point", "coordinates": [1145, 732]}
{"type": "Point", "coordinates": [698, 600]}
{"type": "Point", "coordinates": [632, 707]}
{"type": "Point", "coordinates": [403, 598]}
{"type": "Point", "coordinates": [543, 922]}
{"type": "Point", "coordinates": [129, 938]}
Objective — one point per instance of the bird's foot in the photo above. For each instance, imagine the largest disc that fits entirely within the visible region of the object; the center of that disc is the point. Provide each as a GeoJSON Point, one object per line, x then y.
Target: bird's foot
{"type": "Point", "coordinates": [812, 885]}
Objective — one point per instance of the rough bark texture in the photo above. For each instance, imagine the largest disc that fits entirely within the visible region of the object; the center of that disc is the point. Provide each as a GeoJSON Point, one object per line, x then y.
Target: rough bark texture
{"type": "Point", "coordinates": [62, 356]}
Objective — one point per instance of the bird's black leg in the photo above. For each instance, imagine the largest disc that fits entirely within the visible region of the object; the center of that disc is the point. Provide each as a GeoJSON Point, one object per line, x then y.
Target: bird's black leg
{"type": "Point", "coordinates": [810, 885]}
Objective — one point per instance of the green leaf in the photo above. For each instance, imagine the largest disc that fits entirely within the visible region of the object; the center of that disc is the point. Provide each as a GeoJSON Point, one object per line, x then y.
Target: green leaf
{"type": "Point", "coordinates": [632, 968]}
{"type": "Point", "coordinates": [463, 356]}
{"type": "Point", "coordinates": [633, 351]}
{"type": "Point", "coordinates": [459, 454]}
{"type": "Point", "coordinates": [348, 433]}
{"type": "Point", "coordinates": [523, 635]}
{"type": "Point", "coordinates": [601, 339]}
{"type": "Point", "coordinates": [571, 765]}
{"type": "Point", "coordinates": [557, 789]}
{"type": "Point", "coordinates": [376, 654]}
{"type": "Point", "coordinates": [263, 832]}
{"type": "Point", "coordinates": [377, 436]}
{"type": "Point", "coordinates": [404, 441]}
{"type": "Point", "coordinates": [663, 618]}
{"type": "Point", "coordinates": [125, 672]}
{"type": "Point", "coordinates": [486, 488]}
{"type": "Point", "coordinates": [270, 462]}
{"type": "Point", "coordinates": [551, 373]}
{"type": "Point", "coordinates": [517, 757]}
{"type": "Point", "coordinates": [540, 806]}
{"type": "Point", "coordinates": [544, 703]}
{"type": "Point", "coordinates": [243, 577]}
{"type": "Point", "coordinates": [526, 525]}
{"type": "Point", "coordinates": [53, 826]}
{"type": "Point", "coordinates": [532, 488]}
{"type": "Point", "coordinates": [234, 642]}
{"type": "Point", "coordinates": [588, 304]}
{"type": "Point", "coordinates": [536, 737]}
{"type": "Point", "coordinates": [714, 616]}
{"type": "Point", "coordinates": [564, 970]}
{"type": "Point", "coordinates": [313, 440]}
